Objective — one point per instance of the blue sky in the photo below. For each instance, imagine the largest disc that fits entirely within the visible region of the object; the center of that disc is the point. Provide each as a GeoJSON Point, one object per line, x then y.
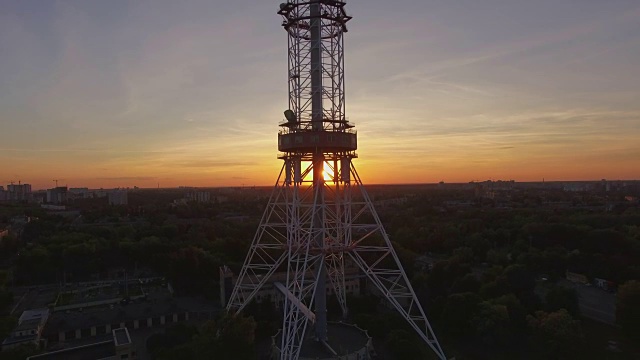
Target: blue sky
{"type": "Point", "coordinates": [123, 93]}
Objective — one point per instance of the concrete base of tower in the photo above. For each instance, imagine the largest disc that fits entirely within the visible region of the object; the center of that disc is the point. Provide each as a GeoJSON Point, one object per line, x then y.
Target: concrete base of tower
{"type": "Point", "coordinates": [348, 341]}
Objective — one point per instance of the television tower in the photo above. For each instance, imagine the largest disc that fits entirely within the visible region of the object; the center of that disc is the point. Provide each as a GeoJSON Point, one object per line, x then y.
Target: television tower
{"type": "Point", "coordinates": [319, 214]}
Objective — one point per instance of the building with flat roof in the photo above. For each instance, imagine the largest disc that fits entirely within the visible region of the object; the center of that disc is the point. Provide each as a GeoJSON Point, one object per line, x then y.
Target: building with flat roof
{"type": "Point", "coordinates": [82, 324]}
{"type": "Point", "coordinates": [78, 193]}
{"type": "Point", "coordinates": [118, 197]}
{"type": "Point", "coordinates": [16, 193]}
{"type": "Point", "coordinates": [116, 346]}
{"type": "Point", "coordinates": [29, 329]}
{"type": "Point", "coordinates": [57, 195]}
{"type": "Point", "coordinates": [199, 196]}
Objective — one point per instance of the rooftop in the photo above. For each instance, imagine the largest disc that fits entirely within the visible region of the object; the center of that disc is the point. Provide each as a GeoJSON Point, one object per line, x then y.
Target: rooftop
{"type": "Point", "coordinates": [343, 338]}
{"type": "Point", "coordinates": [72, 320]}
{"type": "Point", "coordinates": [34, 314]}
{"type": "Point", "coordinates": [27, 325]}
{"type": "Point", "coordinates": [18, 339]}
{"type": "Point", "coordinates": [102, 347]}
{"type": "Point", "coordinates": [99, 350]}
{"type": "Point", "coordinates": [121, 336]}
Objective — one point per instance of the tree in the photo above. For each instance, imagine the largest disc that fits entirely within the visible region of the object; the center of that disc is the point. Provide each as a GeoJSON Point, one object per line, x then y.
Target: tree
{"type": "Point", "coordinates": [229, 337]}
{"type": "Point", "coordinates": [628, 308]}
{"type": "Point", "coordinates": [557, 333]}
{"type": "Point", "coordinates": [403, 345]}
{"type": "Point", "coordinates": [517, 312]}
{"type": "Point", "coordinates": [267, 317]}
{"type": "Point", "coordinates": [7, 324]}
{"type": "Point", "coordinates": [519, 279]}
{"type": "Point", "coordinates": [459, 311]}
{"type": "Point", "coordinates": [563, 298]}
{"type": "Point", "coordinates": [6, 299]}
{"type": "Point", "coordinates": [492, 324]}
{"type": "Point", "coordinates": [163, 345]}
{"type": "Point", "coordinates": [467, 283]}
{"type": "Point", "coordinates": [20, 353]}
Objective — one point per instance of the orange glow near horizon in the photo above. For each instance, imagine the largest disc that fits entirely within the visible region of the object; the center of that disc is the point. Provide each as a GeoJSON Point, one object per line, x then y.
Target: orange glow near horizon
{"type": "Point", "coordinates": [374, 169]}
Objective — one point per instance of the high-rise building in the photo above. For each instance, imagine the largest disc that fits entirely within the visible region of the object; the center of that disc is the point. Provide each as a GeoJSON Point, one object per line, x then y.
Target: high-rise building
{"type": "Point", "coordinates": [118, 197]}
{"type": "Point", "coordinates": [78, 193]}
{"type": "Point", "coordinates": [199, 196]}
{"type": "Point", "coordinates": [16, 192]}
{"type": "Point", "coordinates": [57, 195]}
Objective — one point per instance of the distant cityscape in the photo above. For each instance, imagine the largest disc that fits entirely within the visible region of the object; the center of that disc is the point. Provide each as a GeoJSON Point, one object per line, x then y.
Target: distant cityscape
{"type": "Point", "coordinates": [59, 196]}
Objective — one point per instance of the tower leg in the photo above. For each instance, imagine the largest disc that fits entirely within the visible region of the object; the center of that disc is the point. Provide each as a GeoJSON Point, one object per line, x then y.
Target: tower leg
{"type": "Point", "coordinates": [267, 251]}
{"type": "Point", "coordinates": [337, 215]}
{"type": "Point", "coordinates": [374, 254]}
{"type": "Point", "coordinates": [335, 274]}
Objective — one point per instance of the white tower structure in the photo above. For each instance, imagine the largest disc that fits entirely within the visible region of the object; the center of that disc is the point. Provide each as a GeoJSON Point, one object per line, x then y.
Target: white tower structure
{"type": "Point", "coordinates": [319, 214]}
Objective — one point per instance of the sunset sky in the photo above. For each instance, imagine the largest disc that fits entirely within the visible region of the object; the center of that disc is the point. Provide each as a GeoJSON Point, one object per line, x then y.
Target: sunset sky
{"type": "Point", "coordinates": [139, 93]}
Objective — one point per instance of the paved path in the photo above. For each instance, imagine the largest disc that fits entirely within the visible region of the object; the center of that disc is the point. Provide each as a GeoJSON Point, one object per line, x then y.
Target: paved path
{"type": "Point", "coordinates": [594, 303]}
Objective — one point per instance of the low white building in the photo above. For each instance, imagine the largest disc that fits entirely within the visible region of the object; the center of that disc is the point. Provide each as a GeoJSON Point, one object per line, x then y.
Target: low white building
{"type": "Point", "coordinates": [29, 329]}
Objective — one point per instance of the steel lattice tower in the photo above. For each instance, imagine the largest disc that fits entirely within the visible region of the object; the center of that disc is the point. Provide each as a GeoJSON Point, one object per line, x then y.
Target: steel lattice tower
{"type": "Point", "coordinates": [319, 213]}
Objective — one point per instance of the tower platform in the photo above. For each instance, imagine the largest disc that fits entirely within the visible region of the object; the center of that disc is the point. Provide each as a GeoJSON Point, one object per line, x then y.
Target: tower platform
{"type": "Point", "coordinates": [348, 341]}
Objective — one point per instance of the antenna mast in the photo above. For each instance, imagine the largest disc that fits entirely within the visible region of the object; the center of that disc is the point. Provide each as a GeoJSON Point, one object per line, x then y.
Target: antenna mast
{"type": "Point", "coordinates": [320, 216]}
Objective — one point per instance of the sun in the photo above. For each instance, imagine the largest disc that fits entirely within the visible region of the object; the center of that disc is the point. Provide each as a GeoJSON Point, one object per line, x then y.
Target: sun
{"type": "Point", "coordinates": [327, 171]}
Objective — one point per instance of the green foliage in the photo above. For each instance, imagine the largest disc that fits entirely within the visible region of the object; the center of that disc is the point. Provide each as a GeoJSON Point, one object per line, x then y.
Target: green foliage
{"type": "Point", "coordinates": [459, 311]}
{"type": "Point", "coordinates": [560, 297]}
{"type": "Point", "coordinates": [7, 324]}
{"type": "Point", "coordinates": [468, 283]}
{"type": "Point", "coordinates": [628, 309]}
{"type": "Point", "coordinates": [164, 345]}
{"type": "Point", "coordinates": [479, 297]}
{"type": "Point", "coordinates": [557, 334]}
{"type": "Point", "coordinates": [498, 257]}
{"type": "Point", "coordinates": [443, 275]}
{"type": "Point", "coordinates": [406, 256]}
{"type": "Point", "coordinates": [519, 279]}
{"type": "Point", "coordinates": [463, 255]}
{"type": "Point", "coordinates": [8, 246]}
{"type": "Point", "coordinates": [20, 353]}
{"type": "Point", "coordinates": [267, 317]}
{"type": "Point", "coordinates": [517, 312]}
{"type": "Point", "coordinates": [6, 299]}
{"type": "Point", "coordinates": [492, 324]}
{"type": "Point", "coordinates": [404, 345]}
{"type": "Point", "coordinates": [186, 253]}
{"type": "Point", "coordinates": [378, 323]}
{"type": "Point", "coordinates": [229, 337]}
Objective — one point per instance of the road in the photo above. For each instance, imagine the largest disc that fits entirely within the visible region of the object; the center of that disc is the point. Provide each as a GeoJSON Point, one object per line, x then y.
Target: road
{"type": "Point", "coordinates": [595, 303]}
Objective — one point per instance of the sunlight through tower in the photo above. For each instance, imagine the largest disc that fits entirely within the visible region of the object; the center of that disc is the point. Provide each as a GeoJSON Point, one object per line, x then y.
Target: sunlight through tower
{"type": "Point", "coordinates": [319, 214]}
